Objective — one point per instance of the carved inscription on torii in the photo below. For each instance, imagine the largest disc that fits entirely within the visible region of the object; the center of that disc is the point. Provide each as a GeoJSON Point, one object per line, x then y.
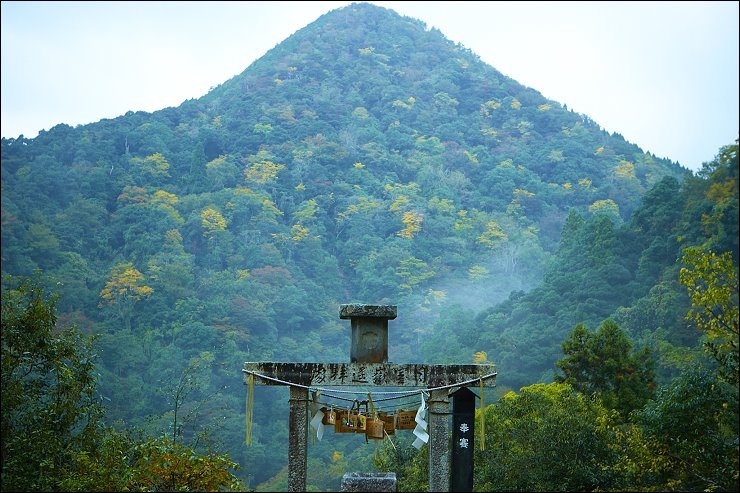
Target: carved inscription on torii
{"type": "Point", "coordinates": [367, 374]}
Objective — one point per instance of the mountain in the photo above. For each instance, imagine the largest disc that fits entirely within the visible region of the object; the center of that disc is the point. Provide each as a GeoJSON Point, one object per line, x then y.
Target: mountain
{"type": "Point", "coordinates": [365, 158]}
{"type": "Point", "coordinates": [416, 128]}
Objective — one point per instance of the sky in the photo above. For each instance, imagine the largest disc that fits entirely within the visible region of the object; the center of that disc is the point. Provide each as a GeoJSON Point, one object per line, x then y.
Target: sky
{"type": "Point", "coordinates": [664, 75]}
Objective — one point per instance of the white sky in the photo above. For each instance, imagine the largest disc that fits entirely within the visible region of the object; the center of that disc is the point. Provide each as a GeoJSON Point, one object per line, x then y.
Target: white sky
{"type": "Point", "coordinates": [662, 74]}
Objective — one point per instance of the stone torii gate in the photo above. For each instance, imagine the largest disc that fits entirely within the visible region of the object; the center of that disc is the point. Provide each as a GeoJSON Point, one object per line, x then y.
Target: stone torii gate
{"type": "Point", "coordinates": [369, 367]}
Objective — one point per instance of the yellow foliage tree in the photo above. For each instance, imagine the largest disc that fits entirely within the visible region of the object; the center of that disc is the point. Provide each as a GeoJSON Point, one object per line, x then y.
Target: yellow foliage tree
{"type": "Point", "coordinates": [163, 197]}
{"type": "Point", "coordinates": [401, 202]}
{"type": "Point", "coordinates": [212, 222]}
{"type": "Point", "coordinates": [269, 212]}
{"type": "Point", "coordinates": [493, 236]}
{"type": "Point", "coordinates": [155, 164]}
{"type": "Point", "coordinates": [407, 105]}
{"type": "Point", "coordinates": [306, 211]}
{"type": "Point", "coordinates": [364, 205]}
{"type": "Point", "coordinates": [477, 272]}
{"type": "Point", "coordinates": [217, 162]}
{"type": "Point", "coordinates": [722, 192]}
{"type": "Point", "coordinates": [625, 169]}
{"type": "Point", "coordinates": [435, 295]}
{"type": "Point", "coordinates": [516, 206]}
{"type": "Point", "coordinates": [494, 104]}
{"type": "Point", "coordinates": [412, 221]}
{"type": "Point", "coordinates": [124, 288]}
{"type": "Point", "coordinates": [480, 357]}
{"type": "Point", "coordinates": [412, 272]}
{"type": "Point", "coordinates": [433, 298]}
{"type": "Point", "coordinates": [262, 172]}
{"type": "Point", "coordinates": [298, 232]}
{"type": "Point", "coordinates": [473, 158]}
{"type": "Point", "coordinates": [164, 201]}
{"type": "Point", "coordinates": [608, 208]}
{"type": "Point", "coordinates": [441, 206]}
{"type": "Point", "coordinates": [262, 169]}
{"type": "Point", "coordinates": [463, 222]}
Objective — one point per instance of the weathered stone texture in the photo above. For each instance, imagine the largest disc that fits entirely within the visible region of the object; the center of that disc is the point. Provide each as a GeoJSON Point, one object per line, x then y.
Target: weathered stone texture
{"type": "Point", "coordinates": [297, 443]}
{"type": "Point", "coordinates": [371, 481]}
{"type": "Point", "coordinates": [439, 450]}
{"type": "Point", "coordinates": [375, 311]}
{"type": "Point", "coordinates": [363, 374]}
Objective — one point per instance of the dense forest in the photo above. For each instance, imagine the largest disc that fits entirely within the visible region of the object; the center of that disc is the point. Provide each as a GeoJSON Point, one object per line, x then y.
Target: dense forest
{"type": "Point", "coordinates": [365, 159]}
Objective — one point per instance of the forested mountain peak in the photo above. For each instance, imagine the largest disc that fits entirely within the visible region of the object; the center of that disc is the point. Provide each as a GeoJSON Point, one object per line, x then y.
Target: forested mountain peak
{"type": "Point", "coordinates": [365, 158]}
{"type": "Point", "coordinates": [365, 154]}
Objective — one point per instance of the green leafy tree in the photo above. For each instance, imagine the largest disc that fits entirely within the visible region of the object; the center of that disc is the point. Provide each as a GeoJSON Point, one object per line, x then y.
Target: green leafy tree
{"type": "Point", "coordinates": [190, 380]}
{"type": "Point", "coordinates": [719, 202]}
{"type": "Point", "coordinates": [171, 269]}
{"type": "Point", "coordinates": [53, 436]}
{"type": "Point", "coordinates": [49, 410]}
{"type": "Point", "coordinates": [410, 465]}
{"type": "Point", "coordinates": [163, 465]}
{"type": "Point", "coordinates": [549, 437]}
{"type": "Point", "coordinates": [712, 284]}
{"type": "Point", "coordinates": [43, 244]}
{"type": "Point", "coordinates": [692, 431]}
{"type": "Point", "coordinates": [603, 363]}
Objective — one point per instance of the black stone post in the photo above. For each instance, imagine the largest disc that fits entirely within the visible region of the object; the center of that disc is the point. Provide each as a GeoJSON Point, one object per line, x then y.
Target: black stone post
{"type": "Point", "coordinates": [463, 434]}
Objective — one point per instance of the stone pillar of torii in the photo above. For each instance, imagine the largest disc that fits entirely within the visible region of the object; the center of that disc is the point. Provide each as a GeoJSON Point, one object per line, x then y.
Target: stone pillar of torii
{"type": "Point", "coordinates": [369, 367]}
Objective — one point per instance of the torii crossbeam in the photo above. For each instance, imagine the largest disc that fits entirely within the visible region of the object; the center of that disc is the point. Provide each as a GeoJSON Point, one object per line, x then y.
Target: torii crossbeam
{"type": "Point", "coordinates": [369, 367]}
